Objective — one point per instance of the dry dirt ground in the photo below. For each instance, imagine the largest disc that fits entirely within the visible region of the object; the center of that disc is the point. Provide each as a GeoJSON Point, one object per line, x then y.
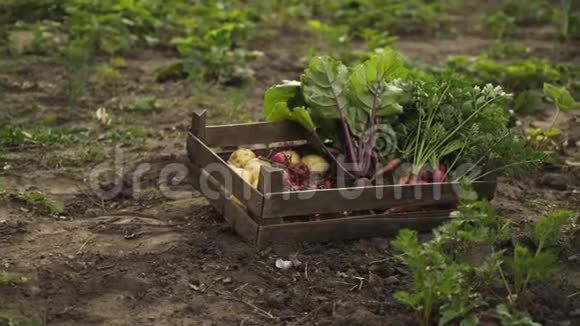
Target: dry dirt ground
{"type": "Point", "coordinates": [154, 261]}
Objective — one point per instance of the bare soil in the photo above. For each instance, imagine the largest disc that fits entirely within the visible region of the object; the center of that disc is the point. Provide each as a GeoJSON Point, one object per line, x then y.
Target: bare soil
{"type": "Point", "coordinates": [154, 261]}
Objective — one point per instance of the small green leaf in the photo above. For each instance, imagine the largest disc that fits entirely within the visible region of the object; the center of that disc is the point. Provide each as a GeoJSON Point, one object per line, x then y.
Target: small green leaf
{"type": "Point", "coordinates": [146, 104]}
{"type": "Point", "coordinates": [561, 97]}
{"type": "Point", "coordinates": [553, 132]}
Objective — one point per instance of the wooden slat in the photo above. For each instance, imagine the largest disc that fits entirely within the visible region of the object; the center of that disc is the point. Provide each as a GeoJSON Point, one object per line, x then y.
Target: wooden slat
{"type": "Point", "coordinates": [338, 200]}
{"type": "Point", "coordinates": [271, 180]}
{"type": "Point", "coordinates": [195, 174]}
{"type": "Point", "coordinates": [347, 228]}
{"type": "Point", "coordinates": [243, 224]}
{"type": "Point", "coordinates": [253, 133]}
{"type": "Point", "coordinates": [203, 157]}
{"type": "Point", "coordinates": [198, 124]}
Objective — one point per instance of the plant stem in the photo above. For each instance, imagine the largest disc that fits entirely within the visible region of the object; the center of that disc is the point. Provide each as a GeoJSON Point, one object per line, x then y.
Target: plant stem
{"type": "Point", "coordinates": [345, 130]}
{"type": "Point", "coordinates": [332, 156]}
{"type": "Point", "coordinates": [556, 116]}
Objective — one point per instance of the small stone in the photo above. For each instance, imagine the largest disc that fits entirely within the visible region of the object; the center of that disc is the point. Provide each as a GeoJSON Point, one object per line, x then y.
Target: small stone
{"type": "Point", "coordinates": [391, 280]}
{"type": "Point", "coordinates": [573, 258]}
{"type": "Point", "coordinates": [555, 181]}
{"type": "Point", "coordinates": [575, 313]}
{"type": "Point", "coordinates": [227, 280]}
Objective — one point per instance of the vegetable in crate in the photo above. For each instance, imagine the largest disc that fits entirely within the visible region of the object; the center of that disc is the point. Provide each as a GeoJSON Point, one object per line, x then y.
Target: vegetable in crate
{"type": "Point", "coordinates": [446, 121]}
{"type": "Point", "coordinates": [451, 122]}
{"type": "Point", "coordinates": [354, 109]}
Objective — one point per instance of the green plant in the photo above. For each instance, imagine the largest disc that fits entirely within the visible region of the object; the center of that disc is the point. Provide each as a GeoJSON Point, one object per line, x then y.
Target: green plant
{"type": "Point", "coordinates": [12, 138]}
{"type": "Point", "coordinates": [545, 138]}
{"type": "Point", "coordinates": [529, 12]}
{"type": "Point", "coordinates": [38, 201]}
{"type": "Point", "coordinates": [352, 108]}
{"type": "Point", "coordinates": [438, 281]}
{"type": "Point", "coordinates": [76, 60]}
{"type": "Point", "coordinates": [501, 49]}
{"type": "Point", "coordinates": [145, 104]}
{"type": "Point", "coordinates": [215, 55]}
{"type": "Point", "coordinates": [13, 278]}
{"type": "Point", "coordinates": [509, 317]}
{"type": "Point", "coordinates": [448, 255]}
{"type": "Point", "coordinates": [500, 24]}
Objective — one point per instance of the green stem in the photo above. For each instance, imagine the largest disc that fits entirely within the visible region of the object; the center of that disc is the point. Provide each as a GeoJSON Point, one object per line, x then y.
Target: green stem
{"type": "Point", "coordinates": [556, 116]}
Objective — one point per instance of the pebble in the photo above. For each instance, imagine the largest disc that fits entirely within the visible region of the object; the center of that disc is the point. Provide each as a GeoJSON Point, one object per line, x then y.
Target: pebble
{"type": "Point", "coordinates": [391, 280]}
{"type": "Point", "coordinates": [555, 181]}
{"type": "Point", "coordinates": [575, 313]}
{"type": "Point", "coordinates": [573, 258]}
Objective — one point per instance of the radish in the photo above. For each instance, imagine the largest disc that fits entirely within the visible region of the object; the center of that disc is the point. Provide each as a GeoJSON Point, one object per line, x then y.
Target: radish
{"type": "Point", "coordinates": [279, 157]}
{"type": "Point", "coordinates": [441, 174]}
{"type": "Point", "coordinates": [425, 176]}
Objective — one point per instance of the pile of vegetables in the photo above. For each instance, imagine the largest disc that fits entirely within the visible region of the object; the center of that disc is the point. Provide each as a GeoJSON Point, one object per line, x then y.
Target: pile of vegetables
{"type": "Point", "coordinates": [308, 172]}
{"type": "Point", "coordinates": [381, 122]}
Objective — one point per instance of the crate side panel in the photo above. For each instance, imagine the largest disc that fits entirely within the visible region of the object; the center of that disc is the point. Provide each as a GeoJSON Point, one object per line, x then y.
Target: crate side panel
{"type": "Point", "coordinates": [201, 155]}
{"type": "Point", "coordinates": [253, 133]}
{"type": "Point", "coordinates": [348, 228]}
{"type": "Point", "coordinates": [243, 224]}
{"type": "Point", "coordinates": [195, 176]}
{"type": "Point", "coordinates": [357, 199]}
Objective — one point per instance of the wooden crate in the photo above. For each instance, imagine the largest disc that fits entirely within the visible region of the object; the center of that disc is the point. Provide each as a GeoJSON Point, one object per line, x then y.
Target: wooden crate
{"type": "Point", "coordinates": [269, 215]}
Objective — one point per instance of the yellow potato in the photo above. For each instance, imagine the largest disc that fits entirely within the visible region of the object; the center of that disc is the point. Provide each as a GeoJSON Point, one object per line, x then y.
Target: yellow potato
{"type": "Point", "coordinates": [241, 157]}
{"type": "Point", "coordinates": [293, 157]}
{"type": "Point", "coordinates": [316, 164]}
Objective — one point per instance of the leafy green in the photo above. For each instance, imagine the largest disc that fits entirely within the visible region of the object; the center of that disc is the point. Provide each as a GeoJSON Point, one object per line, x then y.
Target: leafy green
{"type": "Point", "coordinates": [324, 85]}
{"type": "Point", "coordinates": [561, 97]}
{"type": "Point", "coordinates": [283, 102]}
{"type": "Point", "coordinates": [547, 231]}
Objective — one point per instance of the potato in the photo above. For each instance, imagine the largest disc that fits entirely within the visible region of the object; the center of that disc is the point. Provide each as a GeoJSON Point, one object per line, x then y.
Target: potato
{"type": "Point", "coordinates": [316, 164]}
{"type": "Point", "coordinates": [293, 158]}
{"type": "Point", "coordinates": [236, 169]}
{"type": "Point", "coordinates": [256, 164]}
{"type": "Point", "coordinates": [247, 176]}
{"type": "Point", "coordinates": [240, 157]}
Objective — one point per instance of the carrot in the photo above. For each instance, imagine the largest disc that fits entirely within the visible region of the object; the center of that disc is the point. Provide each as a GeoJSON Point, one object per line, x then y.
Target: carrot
{"type": "Point", "coordinates": [405, 178]}
{"type": "Point", "coordinates": [393, 164]}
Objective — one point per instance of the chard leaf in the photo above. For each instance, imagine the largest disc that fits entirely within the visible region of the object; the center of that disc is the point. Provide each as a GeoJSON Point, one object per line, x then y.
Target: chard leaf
{"type": "Point", "coordinates": [280, 103]}
{"type": "Point", "coordinates": [375, 84]}
{"type": "Point", "coordinates": [323, 85]}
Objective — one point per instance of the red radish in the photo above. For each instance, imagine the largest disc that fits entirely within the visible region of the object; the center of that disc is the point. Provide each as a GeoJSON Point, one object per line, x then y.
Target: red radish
{"type": "Point", "coordinates": [426, 176]}
{"type": "Point", "coordinates": [279, 157]}
{"type": "Point", "coordinates": [327, 184]}
{"type": "Point", "coordinates": [439, 176]}
{"type": "Point", "coordinates": [287, 177]}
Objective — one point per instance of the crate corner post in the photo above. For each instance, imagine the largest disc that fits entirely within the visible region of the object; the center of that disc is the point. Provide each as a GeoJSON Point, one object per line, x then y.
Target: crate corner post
{"type": "Point", "coordinates": [199, 124]}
